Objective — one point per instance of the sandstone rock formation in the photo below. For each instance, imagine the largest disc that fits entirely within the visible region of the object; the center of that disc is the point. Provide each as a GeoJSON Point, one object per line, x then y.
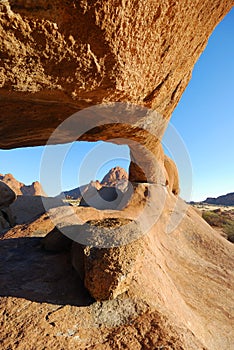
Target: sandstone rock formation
{"type": "Point", "coordinates": [57, 58]}
{"type": "Point", "coordinates": [19, 188]}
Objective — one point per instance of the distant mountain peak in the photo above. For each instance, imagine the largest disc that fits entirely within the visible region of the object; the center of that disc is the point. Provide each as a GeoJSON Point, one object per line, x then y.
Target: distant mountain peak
{"type": "Point", "coordinates": [227, 199]}
{"type": "Point", "coordinates": [114, 175]}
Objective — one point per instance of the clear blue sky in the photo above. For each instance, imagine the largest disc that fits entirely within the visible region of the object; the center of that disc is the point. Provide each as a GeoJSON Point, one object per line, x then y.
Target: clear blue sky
{"type": "Point", "coordinates": [204, 118]}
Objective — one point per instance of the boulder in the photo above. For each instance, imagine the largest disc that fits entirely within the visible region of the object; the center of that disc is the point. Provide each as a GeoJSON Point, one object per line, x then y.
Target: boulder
{"type": "Point", "coordinates": [101, 253]}
{"type": "Point", "coordinates": [27, 208]}
{"type": "Point", "coordinates": [109, 272]}
{"type": "Point", "coordinates": [107, 264]}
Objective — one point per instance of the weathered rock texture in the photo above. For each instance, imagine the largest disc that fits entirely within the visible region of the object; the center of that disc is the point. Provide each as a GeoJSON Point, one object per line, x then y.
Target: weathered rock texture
{"type": "Point", "coordinates": [107, 272]}
{"type": "Point", "coordinates": [60, 57]}
{"type": "Point", "coordinates": [19, 188]}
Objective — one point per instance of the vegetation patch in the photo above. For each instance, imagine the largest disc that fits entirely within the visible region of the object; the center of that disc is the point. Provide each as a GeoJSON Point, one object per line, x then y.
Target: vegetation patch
{"type": "Point", "coordinates": [221, 219]}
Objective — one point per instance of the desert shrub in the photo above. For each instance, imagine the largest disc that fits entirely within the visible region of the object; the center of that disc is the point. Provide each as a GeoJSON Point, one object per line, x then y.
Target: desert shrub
{"type": "Point", "coordinates": [222, 220]}
{"type": "Point", "coordinates": [228, 228]}
{"type": "Point", "coordinates": [212, 218]}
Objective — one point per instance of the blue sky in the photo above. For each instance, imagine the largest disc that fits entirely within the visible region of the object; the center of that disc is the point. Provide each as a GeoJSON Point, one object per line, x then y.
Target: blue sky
{"type": "Point", "coordinates": [204, 119]}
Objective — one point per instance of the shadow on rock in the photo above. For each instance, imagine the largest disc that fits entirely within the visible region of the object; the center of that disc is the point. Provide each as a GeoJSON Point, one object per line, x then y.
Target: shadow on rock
{"type": "Point", "coordinates": [27, 271]}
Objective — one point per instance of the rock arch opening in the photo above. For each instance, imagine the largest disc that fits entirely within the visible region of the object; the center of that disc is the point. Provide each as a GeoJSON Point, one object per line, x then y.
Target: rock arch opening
{"type": "Point", "coordinates": [102, 175]}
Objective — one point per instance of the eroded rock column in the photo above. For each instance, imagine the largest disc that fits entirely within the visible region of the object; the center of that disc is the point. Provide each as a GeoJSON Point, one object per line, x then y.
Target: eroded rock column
{"type": "Point", "coordinates": [108, 263]}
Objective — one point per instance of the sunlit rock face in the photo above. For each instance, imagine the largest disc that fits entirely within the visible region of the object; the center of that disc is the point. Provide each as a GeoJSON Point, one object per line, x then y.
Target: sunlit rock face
{"type": "Point", "coordinates": [19, 188]}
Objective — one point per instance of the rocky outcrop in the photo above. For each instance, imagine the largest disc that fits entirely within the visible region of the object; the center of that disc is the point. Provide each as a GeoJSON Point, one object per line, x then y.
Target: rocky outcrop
{"type": "Point", "coordinates": [78, 192]}
{"type": "Point", "coordinates": [27, 208]}
{"type": "Point", "coordinates": [20, 203]}
{"type": "Point", "coordinates": [180, 292]}
{"type": "Point", "coordinates": [114, 191]}
{"type": "Point", "coordinates": [20, 189]}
